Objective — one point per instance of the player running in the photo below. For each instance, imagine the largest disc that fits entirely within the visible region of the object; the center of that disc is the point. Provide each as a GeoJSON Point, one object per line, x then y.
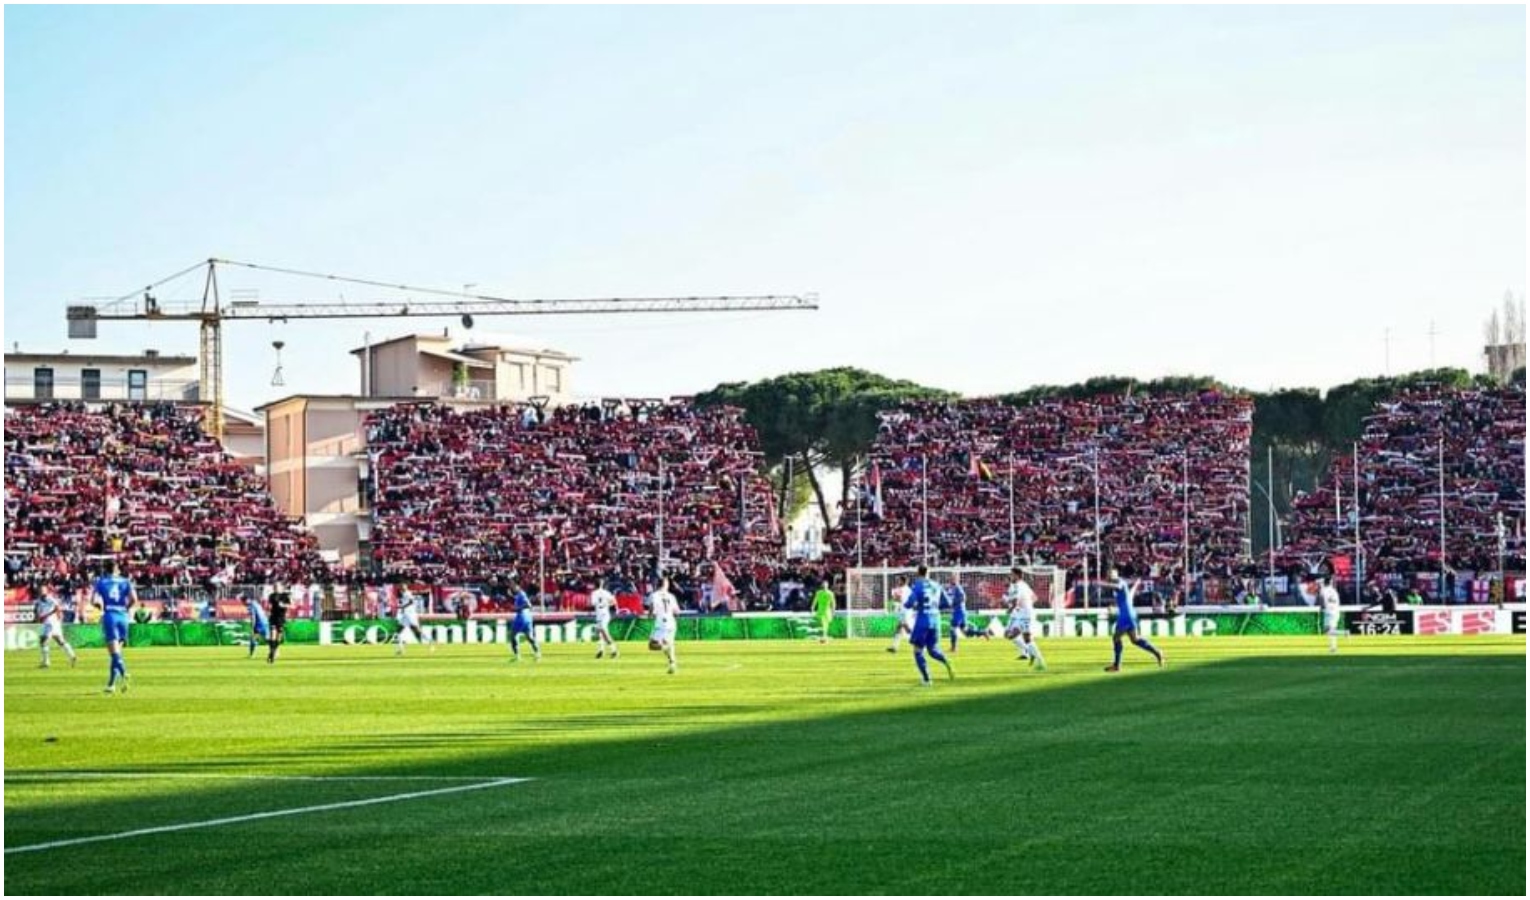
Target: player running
{"type": "Point", "coordinates": [956, 596]}
{"type": "Point", "coordinates": [602, 602]}
{"type": "Point", "coordinates": [664, 608]}
{"type": "Point", "coordinates": [520, 626]}
{"type": "Point", "coordinates": [1329, 595]}
{"type": "Point", "coordinates": [408, 618]}
{"type": "Point", "coordinates": [924, 601]}
{"type": "Point", "coordinates": [115, 596]}
{"type": "Point", "coordinates": [279, 602]}
{"type": "Point", "coordinates": [905, 615]}
{"type": "Point", "coordinates": [1126, 621]}
{"type": "Point", "coordinates": [260, 629]}
{"type": "Point", "coordinates": [1022, 617]}
{"type": "Point", "coordinates": [48, 612]}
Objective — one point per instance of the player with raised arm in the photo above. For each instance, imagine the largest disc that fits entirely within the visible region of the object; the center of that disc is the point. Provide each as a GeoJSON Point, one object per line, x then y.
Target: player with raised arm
{"type": "Point", "coordinates": [905, 615]}
{"type": "Point", "coordinates": [1329, 595]}
{"type": "Point", "coordinates": [924, 602]}
{"type": "Point", "coordinates": [115, 596]}
{"type": "Point", "coordinates": [956, 596]}
{"type": "Point", "coordinates": [1126, 621]}
{"type": "Point", "coordinates": [520, 626]}
{"type": "Point", "coordinates": [1021, 600]}
{"type": "Point", "coordinates": [279, 602]}
{"type": "Point", "coordinates": [602, 602]}
{"type": "Point", "coordinates": [260, 629]}
{"type": "Point", "coordinates": [663, 606]}
{"type": "Point", "coordinates": [408, 618]}
{"type": "Point", "coordinates": [48, 612]}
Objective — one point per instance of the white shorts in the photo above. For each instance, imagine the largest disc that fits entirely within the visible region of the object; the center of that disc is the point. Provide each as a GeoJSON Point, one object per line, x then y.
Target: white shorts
{"type": "Point", "coordinates": [663, 632]}
{"type": "Point", "coordinates": [908, 619]}
{"type": "Point", "coordinates": [603, 620]}
{"type": "Point", "coordinates": [1020, 622]}
{"type": "Point", "coordinates": [408, 620]}
{"type": "Point", "coordinates": [51, 628]}
{"type": "Point", "coordinates": [1330, 622]}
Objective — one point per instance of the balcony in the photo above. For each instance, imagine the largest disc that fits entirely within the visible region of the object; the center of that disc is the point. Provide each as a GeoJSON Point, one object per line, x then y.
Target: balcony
{"type": "Point", "coordinates": [28, 387]}
{"type": "Point", "coordinates": [482, 391]}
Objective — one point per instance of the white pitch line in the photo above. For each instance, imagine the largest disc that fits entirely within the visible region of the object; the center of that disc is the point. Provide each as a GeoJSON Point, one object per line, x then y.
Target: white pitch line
{"type": "Point", "coordinates": [45, 775]}
{"type": "Point", "coordinates": [252, 817]}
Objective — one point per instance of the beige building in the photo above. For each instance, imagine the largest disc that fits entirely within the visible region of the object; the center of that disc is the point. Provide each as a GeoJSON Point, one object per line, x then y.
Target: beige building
{"type": "Point", "coordinates": [39, 377]}
{"type": "Point", "coordinates": [424, 366]}
{"type": "Point", "coordinates": [316, 464]}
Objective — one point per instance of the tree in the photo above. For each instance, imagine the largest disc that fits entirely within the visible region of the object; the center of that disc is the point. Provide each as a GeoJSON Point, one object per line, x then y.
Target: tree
{"type": "Point", "coordinates": [828, 417]}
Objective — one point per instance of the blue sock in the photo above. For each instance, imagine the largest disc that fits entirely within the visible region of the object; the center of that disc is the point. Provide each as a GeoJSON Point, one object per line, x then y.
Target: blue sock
{"type": "Point", "coordinates": [1118, 651]}
{"type": "Point", "coordinates": [953, 640]}
{"type": "Point", "coordinates": [116, 667]}
{"type": "Point", "coordinates": [924, 671]}
{"type": "Point", "coordinates": [935, 652]}
{"type": "Point", "coordinates": [1143, 643]}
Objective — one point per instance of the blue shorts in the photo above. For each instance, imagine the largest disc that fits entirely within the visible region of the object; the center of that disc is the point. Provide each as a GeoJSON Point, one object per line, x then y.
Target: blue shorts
{"type": "Point", "coordinates": [520, 626]}
{"type": "Point", "coordinates": [114, 627]}
{"type": "Point", "coordinates": [958, 620]}
{"type": "Point", "coordinates": [1125, 625]}
{"type": "Point", "coordinates": [260, 627]}
{"type": "Point", "coordinates": [924, 636]}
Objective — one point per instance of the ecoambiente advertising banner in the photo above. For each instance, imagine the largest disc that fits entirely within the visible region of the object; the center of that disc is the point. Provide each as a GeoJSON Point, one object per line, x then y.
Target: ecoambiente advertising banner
{"type": "Point", "coordinates": [565, 628]}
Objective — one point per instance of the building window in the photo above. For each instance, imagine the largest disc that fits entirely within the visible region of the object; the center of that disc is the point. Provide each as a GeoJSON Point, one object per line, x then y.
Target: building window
{"type": "Point", "coordinates": [138, 384]}
{"type": "Point", "coordinates": [42, 383]}
{"type": "Point", "coordinates": [90, 384]}
{"type": "Point", "coordinates": [554, 381]}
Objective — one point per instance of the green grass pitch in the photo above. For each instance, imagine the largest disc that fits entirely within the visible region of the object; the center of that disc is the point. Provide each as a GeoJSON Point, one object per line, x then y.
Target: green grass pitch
{"type": "Point", "coordinates": [1247, 766]}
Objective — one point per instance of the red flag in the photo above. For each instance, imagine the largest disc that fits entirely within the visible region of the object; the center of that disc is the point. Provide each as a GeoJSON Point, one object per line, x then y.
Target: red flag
{"type": "Point", "coordinates": [876, 489]}
{"type": "Point", "coordinates": [709, 542]}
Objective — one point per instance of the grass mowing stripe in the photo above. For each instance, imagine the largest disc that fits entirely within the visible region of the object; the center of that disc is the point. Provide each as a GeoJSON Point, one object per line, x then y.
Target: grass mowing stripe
{"type": "Point", "coordinates": [252, 817]}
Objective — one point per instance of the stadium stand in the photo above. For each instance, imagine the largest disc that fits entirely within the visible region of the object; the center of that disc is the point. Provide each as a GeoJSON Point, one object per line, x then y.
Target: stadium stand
{"type": "Point", "coordinates": [1400, 463]}
{"type": "Point", "coordinates": [142, 482]}
{"type": "Point", "coordinates": [1142, 442]}
{"type": "Point", "coordinates": [459, 496]}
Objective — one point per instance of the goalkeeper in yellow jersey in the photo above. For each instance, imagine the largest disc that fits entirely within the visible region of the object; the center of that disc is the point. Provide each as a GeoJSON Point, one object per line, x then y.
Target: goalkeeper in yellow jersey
{"type": "Point", "coordinates": [823, 610]}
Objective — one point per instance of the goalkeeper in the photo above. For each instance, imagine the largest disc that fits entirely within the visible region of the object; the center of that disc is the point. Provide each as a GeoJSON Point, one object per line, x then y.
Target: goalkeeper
{"type": "Point", "coordinates": [823, 610]}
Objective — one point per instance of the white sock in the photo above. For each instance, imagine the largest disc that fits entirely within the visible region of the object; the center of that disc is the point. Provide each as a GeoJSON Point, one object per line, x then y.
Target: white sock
{"type": "Point", "coordinates": [1333, 643]}
{"type": "Point", "coordinates": [69, 650]}
{"type": "Point", "coordinates": [1022, 647]}
{"type": "Point", "coordinates": [1035, 652]}
{"type": "Point", "coordinates": [45, 654]}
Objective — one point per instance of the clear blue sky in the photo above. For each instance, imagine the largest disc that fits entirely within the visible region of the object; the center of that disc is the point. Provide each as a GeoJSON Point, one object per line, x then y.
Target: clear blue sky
{"type": "Point", "coordinates": [985, 198]}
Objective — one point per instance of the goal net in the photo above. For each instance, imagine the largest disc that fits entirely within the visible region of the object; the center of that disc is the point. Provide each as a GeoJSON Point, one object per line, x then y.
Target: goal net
{"type": "Point", "coordinates": [869, 594]}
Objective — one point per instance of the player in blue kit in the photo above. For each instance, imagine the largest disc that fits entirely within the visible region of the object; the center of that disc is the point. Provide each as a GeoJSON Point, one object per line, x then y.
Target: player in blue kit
{"type": "Point", "coordinates": [924, 601]}
{"type": "Point", "coordinates": [115, 596]}
{"type": "Point", "coordinates": [520, 626]}
{"type": "Point", "coordinates": [1126, 622]}
{"type": "Point", "coordinates": [956, 597]}
{"type": "Point", "coordinates": [260, 630]}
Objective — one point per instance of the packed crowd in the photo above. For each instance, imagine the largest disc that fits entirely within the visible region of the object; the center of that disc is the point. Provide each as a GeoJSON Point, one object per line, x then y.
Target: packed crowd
{"type": "Point", "coordinates": [1142, 451]}
{"type": "Point", "coordinates": [1482, 434]}
{"type": "Point", "coordinates": [144, 484]}
{"type": "Point", "coordinates": [465, 496]}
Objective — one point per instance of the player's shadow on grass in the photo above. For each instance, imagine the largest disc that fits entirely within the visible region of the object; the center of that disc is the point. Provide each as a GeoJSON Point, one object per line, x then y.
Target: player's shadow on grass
{"type": "Point", "coordinates": [1370, 774]}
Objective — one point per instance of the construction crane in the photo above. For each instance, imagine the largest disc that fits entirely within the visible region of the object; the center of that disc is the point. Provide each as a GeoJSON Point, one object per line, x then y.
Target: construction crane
{"type": "Point", "coordinates": [212, 311]}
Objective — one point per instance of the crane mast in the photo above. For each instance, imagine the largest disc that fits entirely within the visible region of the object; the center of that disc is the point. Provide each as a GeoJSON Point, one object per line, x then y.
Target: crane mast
{"type": "Point", "coordinates": [211, 312]}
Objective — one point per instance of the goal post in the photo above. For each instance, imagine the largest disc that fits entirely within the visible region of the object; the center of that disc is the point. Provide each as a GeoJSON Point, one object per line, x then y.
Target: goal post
{"type": "Point", "coordinates": [870, 607]}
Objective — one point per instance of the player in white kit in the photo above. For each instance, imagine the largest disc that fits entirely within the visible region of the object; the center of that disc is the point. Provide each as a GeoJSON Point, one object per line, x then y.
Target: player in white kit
{"type": "Point", "coordinates": [664, 608]}
{"type": "Point", "coordinates": [1022, 617]}
{"type": "Point", "coordinates": [49, 615]}
{"type": "Point", "coordinates": [602, 602]}
{"type": "Point", "coordinates": [900, 596]}
{"type": "Point", "coordinates": [1329, 596]}
{"type": "Point", "coordinates": [408, 618]}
